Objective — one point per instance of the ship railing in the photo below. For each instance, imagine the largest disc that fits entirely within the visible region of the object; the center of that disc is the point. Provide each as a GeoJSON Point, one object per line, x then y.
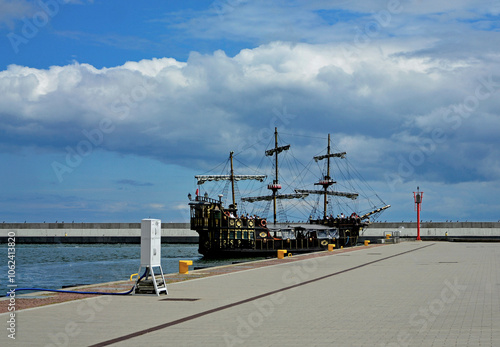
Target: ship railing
{"type": "Point", "coordinates": [206, 199]}
{"type": "Point", "coordinates": [337, 221]}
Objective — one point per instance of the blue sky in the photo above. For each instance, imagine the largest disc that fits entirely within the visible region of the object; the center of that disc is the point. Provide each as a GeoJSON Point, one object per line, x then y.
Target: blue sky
{"type": "Point", "coordinates": [109, 108]}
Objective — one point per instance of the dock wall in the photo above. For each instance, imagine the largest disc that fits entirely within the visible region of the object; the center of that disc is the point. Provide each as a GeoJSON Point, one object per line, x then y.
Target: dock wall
{"type": "Point", "coordinates": [92, 233]}
{"type": "Point", "coordinates": [180, 232]}
{"type": "Point", "coordinates": [451, 231]}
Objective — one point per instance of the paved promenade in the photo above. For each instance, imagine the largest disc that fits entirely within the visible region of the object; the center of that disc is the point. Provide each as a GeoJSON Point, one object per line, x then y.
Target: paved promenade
{"type": "Point", "coordinates": [407, 294]}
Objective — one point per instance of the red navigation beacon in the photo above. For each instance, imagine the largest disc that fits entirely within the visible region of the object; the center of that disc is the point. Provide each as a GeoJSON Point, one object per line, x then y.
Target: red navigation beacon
{"type": "Point", "coordinates": [418, 195]}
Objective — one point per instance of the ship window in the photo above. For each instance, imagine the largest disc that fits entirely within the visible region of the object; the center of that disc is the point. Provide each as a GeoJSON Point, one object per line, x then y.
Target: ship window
{"type": "Point", "coordinates": [288, 234]}
{"type": "Point", "coordinates": [238, 235]}
{"type": "Point", "coordinates": [245, 235]}
{"type": "Point", "coordinates": [323, 234]}
{"type": "Point", "coordinates": [231, 235]}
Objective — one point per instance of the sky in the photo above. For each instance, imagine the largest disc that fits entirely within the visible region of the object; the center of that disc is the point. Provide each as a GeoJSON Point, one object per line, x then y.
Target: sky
{"type": "Point", "coordinates": [109, 108]}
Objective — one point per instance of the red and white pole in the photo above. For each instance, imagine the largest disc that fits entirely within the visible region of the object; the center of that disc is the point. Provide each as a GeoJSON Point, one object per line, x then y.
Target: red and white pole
{"type": "Point", "coordinates": [418, 195]}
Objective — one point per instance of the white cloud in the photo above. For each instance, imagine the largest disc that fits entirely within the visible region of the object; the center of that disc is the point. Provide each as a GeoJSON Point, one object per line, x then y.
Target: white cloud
{"type": "Point", "coordinates": [410, 92]}
{"type": "Point", "coordinates": [381, 106]}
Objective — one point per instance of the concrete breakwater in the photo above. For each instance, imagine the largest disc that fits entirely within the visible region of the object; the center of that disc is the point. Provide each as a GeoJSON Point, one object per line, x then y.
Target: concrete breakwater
{"type": "Point", "coordinates": [92, 233]}
{"type": "Point", "coordinates": [449, 231]}
{"type": "Point", "coordinates": [180, 232]}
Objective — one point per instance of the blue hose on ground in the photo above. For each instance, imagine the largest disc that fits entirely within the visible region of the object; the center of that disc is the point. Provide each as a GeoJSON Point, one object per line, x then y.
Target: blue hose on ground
{"type": "Point", "coordinates": [70, 291]}
{"type": "Point", "coordinates": [75, 292]}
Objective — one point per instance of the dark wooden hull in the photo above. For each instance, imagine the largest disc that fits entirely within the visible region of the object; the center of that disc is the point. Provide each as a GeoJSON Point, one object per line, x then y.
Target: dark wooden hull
{"type": "Point", "coordinates": [254, 253]}
{"type": "Point", "coordinates": [268, 247]}
{"type": "Point", "coordinates": [223, 234]}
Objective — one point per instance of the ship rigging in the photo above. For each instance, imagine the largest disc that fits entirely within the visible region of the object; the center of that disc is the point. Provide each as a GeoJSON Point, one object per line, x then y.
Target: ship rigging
{"type": "Point", "coordinates": [223, 230]}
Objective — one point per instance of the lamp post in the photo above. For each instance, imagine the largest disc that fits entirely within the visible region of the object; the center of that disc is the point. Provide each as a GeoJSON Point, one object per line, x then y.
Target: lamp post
{"type": "Point", "coordinates": [418, 195]}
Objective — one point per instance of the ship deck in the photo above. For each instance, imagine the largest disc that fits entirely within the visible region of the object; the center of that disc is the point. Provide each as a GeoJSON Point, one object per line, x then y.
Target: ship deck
{"type": "Point", "coordinates": [406, 294]}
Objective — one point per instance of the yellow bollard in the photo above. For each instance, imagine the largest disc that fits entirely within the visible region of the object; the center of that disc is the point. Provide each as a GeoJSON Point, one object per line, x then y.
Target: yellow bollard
{"type": "Point", "coordinates": [331, 247]}
{"type": "Point", "coordinates": [341, 247]}
{"type": "Point", "coordinates": [367, 242]}
{"type": "Point", "coordinates": [281, 253]}
{"type": "Point", "coordinates": [184, 266]}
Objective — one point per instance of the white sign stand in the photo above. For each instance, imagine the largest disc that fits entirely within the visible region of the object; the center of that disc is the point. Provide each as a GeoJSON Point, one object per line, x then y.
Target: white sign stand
{"type": "Point", "coordinates": [150, 259]}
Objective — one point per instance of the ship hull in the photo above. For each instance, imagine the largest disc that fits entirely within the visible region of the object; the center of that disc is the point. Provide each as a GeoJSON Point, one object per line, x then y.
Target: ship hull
{"type": "Point", "coordinates": [221, 234]}
{"type": "Point", "coordinates": [230, 246]}
{"type": "Point", "coordinates": [264, 248]}
{"type": "Point", "coordinates": [254, 253]}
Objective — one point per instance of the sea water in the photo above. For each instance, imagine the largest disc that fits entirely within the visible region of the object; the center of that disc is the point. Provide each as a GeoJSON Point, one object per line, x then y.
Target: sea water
{"type": "Point", "coordinates": [55, 266]}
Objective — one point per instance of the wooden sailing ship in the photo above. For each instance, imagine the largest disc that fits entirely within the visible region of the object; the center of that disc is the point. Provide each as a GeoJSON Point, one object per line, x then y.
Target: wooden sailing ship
{"type": "Point", "coordinates": [225, 233]}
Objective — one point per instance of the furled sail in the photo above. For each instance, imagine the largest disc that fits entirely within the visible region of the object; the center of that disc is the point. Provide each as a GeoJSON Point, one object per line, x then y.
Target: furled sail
{"type": "Point", "coordinates": [277, 150]}
{"type": "Point", "coordinates": [352, 196]}
{"type": "Point", "coordinates": [331, 155]}
{"type": "Point", "coordinates": [271, 197]}
{"type": "Point", "coordinates": [206, 178]}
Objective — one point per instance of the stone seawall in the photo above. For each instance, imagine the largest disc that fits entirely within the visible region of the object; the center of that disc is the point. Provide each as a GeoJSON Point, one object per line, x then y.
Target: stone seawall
{"type": "Point", "coordinates": [104, 226]}
{"type": "Point", "coordinates": [180, 232]}
{"type": "Point", "coordinates": [451, 231]}
{"type": "Point", "coordinates": [92, 233]}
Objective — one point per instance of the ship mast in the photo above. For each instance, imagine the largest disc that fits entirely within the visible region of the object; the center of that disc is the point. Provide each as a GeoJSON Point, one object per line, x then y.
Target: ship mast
{"type": "Point", "coordinates": [232, 177]}
{"type": "Point", "coordinates": [327, 181]}
{"type": "Point", "coordinates": [275, 186]}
